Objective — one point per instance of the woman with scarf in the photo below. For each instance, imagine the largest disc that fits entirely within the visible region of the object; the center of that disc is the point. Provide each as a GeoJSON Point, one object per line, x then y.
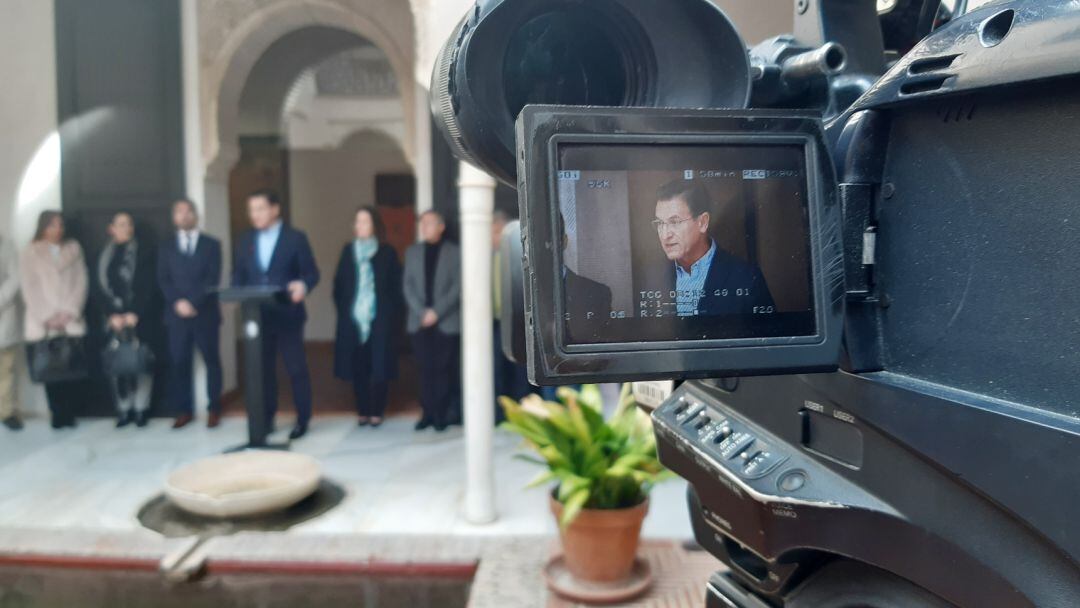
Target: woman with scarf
{"type": "Point", "coordinates": [125, 288]}
{"type": "Point", "coordinates": [369, 301]}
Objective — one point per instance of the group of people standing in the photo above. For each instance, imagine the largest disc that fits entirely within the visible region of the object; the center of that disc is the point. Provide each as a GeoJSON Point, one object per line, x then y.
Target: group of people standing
{"type": "Point", "coordinates": [55, 283]}
{"type": "Point", "coordinates": [130, 282]}
{"type": "Point", "coordinates": [372, 290]}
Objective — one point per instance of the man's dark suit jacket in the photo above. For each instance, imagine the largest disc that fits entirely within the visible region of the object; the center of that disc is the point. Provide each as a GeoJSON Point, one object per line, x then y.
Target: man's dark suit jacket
{"type": "Point", "coordinates": [584, 296]}
{"type": "Point", "coordinates": [731, 273]}
{"type": "Point", "coordinates": [292, 261]}
{"type": "Point", "coordinates": [193, 278]}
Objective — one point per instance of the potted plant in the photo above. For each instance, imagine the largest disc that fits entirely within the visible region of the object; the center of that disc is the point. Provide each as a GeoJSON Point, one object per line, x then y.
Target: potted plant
{"type": "Point", "coordinates": [604, 470]}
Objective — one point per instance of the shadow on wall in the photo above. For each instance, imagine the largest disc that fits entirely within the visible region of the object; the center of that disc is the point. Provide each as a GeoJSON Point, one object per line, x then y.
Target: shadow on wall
{"type": "Point", "coordinates": [39, 190]}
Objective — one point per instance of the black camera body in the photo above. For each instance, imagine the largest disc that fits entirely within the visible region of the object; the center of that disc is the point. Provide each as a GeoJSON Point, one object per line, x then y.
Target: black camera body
{"type": "Point", "coordinates": [919, 445]}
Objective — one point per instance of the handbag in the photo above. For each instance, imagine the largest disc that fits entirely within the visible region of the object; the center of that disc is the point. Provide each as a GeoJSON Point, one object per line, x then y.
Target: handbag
{"type": "Point", "coordinates": [126, 357]}
{"type": "Point", "coordinates": [59, 358]}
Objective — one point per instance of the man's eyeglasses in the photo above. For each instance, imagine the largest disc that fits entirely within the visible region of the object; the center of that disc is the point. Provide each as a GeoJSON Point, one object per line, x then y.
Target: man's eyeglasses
{"type": "Point", "coordinates": [672, 225]}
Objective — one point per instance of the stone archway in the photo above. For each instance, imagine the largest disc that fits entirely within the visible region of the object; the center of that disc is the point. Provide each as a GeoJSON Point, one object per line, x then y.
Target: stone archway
{"type": "Point", "coordinates": [232, 57]}
{"type": "Point", "coordinates": [231, 36]}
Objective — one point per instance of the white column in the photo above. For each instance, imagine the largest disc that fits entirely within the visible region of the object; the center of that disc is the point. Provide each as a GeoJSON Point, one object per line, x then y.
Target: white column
{"type": "Point", "coordinates": [194, 166]}
{"type": "Point", "coordinates": [422, 152]}
{"type": "Point", "coordinates": [477, 194]}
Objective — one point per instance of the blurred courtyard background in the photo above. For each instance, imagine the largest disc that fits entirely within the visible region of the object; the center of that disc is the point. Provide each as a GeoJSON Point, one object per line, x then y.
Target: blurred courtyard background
{"type": "Point", "coordinates": [129, 105]}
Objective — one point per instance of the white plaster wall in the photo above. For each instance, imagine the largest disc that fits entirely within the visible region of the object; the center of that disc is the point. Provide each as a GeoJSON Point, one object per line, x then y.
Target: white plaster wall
{"type": "Point", "coordinates": [435, 20]}
{"type": "Point", "coordinates": [27, 116]}
{"type": "Point", "coordinates": [312, 121]}
{"type": "Point", "coordinates": [30, 150]}
{"type": "Point", "coordinates": [325, 188]}
{"type": "Point", "coordinates": [760, 20]}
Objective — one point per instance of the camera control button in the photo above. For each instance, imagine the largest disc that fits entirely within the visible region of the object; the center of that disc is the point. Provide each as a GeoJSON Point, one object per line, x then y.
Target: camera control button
{"type": "Point", "coordinates": [722, 433]}
{"type": "Point", "coordinates": [688, 413]}
{"type": "Point", "coordinates": [734, 444]}
{"type": "Point", "coordinates": [761, 464]}
{"type": "Point", "coordinates": [792, 481]}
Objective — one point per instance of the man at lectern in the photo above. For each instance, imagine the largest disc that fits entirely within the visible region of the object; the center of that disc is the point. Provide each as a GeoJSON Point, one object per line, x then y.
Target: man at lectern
{"type": "Point", "coordinates": [275, 254]}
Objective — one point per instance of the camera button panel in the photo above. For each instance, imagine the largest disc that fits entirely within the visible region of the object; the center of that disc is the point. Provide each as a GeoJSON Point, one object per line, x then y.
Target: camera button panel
{"type": "Point", "coordinates": [725, 440]}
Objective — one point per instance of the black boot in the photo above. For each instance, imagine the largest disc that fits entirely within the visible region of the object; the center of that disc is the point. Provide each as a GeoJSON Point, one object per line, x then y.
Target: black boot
{"type": "Point", "coordinates": [13, 423]}
{"type": "Point", "coordinates": [142, 418]}
{"type": "Point", "coordinates": [125, 418]}
{"type": "Point", "coordinates": [298, 431]}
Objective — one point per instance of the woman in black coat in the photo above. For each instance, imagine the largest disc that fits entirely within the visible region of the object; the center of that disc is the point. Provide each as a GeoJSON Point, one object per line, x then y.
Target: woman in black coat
{"type": "Point", "coordinates": [369, 300]}
{"type": "Point", "coordinates": [125, 287]}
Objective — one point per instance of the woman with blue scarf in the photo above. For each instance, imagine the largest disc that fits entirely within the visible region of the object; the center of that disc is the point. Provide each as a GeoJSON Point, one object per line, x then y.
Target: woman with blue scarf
{"type": "Point", "coordinates": [369, 301]}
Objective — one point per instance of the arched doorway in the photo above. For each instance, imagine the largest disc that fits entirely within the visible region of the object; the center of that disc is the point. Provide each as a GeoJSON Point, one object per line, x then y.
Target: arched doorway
{"type": "Point", "coordinates": [321, 119]}
{"type": "Point", "coordinates": [367, 168]}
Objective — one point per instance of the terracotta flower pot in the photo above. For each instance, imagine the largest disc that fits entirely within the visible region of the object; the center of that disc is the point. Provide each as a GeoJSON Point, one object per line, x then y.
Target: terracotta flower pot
{"type": "Point", "coordinates": [601, 544]}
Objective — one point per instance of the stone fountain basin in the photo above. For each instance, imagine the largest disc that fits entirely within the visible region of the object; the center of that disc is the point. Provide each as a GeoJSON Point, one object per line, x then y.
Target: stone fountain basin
{"type": "Point", "coordinates": [244, 484]}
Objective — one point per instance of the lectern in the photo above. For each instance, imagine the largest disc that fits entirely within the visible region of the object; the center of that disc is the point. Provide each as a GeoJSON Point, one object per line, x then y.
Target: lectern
{"type": "Point", "coordinates": [251, 300]}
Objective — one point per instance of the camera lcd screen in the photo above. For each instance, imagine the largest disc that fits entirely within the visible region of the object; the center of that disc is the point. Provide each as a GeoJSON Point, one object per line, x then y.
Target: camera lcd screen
{"type": "Point", "coordinates": [675, 242]}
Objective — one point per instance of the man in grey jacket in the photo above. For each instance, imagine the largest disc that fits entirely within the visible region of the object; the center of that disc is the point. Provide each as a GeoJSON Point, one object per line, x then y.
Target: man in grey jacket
{"type": "Point", "coordinates": [10, 334]}
{"type": "Point", "coordinates": [433, 295]}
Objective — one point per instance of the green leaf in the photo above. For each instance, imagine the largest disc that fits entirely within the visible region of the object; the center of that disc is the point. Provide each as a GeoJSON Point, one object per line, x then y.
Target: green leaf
{"type": "Point", "coordinates": [553, 456]}
{"type": "Point", "coordinates": [626, 399]}
{"type": "Point", "coordinates": [595, 420]}
{"type": "Point", "coordinates": [508, 404]}
{"type": "Point", "coordinates": [531, 459]}
{"type": "Point", "coordinates": [560, 420]}
{"type": "Point", "coordinates": [591, 397]}
{"type": "Point", "coordinates": [581, 425]}
{"type": "Point", "coordinates": [528, 434]}
{"type": "Point", "coordinates": [542, 479]}
{"type": "Point", "coordinates": [570, 483]}
{"type": "Point", "coordinates": [630, 461]}
{"type": "Point", "coordinates": [566, 394]}
{"type": "Point", "coordinates": [572, 507]}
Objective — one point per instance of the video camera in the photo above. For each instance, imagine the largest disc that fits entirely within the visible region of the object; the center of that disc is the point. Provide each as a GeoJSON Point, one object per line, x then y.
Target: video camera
{"type": "Point", "coordinates": [598, 256]}
{"type": "Point", "coordinates": [842, 232]}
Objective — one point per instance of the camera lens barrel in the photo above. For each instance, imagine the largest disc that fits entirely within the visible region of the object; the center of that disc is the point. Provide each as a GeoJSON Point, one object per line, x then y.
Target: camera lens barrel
{"type": "Point", "coordinates": [506, 54]}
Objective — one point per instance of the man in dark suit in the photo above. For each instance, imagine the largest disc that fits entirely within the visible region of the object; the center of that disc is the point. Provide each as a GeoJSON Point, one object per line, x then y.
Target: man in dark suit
{"type": "Point", "coordinates": [707, 280]}
{"type": "Point", "coordinates": [433, 295]}
{"type": "Point", "coordinates": [588, 302]}
{"type": "Point", "coordinates": [188, 271]}
{"type": "Point", "coordinates": [275, 254]}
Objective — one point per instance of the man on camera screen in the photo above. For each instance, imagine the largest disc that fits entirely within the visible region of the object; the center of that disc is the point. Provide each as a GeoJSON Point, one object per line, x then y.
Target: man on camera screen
{"type": "Point", "coordinates": [684, 243]}
{"type": "Point", "coordinates": [708, 280]}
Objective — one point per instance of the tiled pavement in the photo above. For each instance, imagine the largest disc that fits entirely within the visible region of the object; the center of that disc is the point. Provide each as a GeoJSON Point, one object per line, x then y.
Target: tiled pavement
{"type": "Point", "coordinates": [76, 493]}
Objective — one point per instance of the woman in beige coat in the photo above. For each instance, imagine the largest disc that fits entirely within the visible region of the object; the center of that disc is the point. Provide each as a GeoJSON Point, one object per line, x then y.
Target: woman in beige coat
{"type": "Point", "coordinates": [54, 285]}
